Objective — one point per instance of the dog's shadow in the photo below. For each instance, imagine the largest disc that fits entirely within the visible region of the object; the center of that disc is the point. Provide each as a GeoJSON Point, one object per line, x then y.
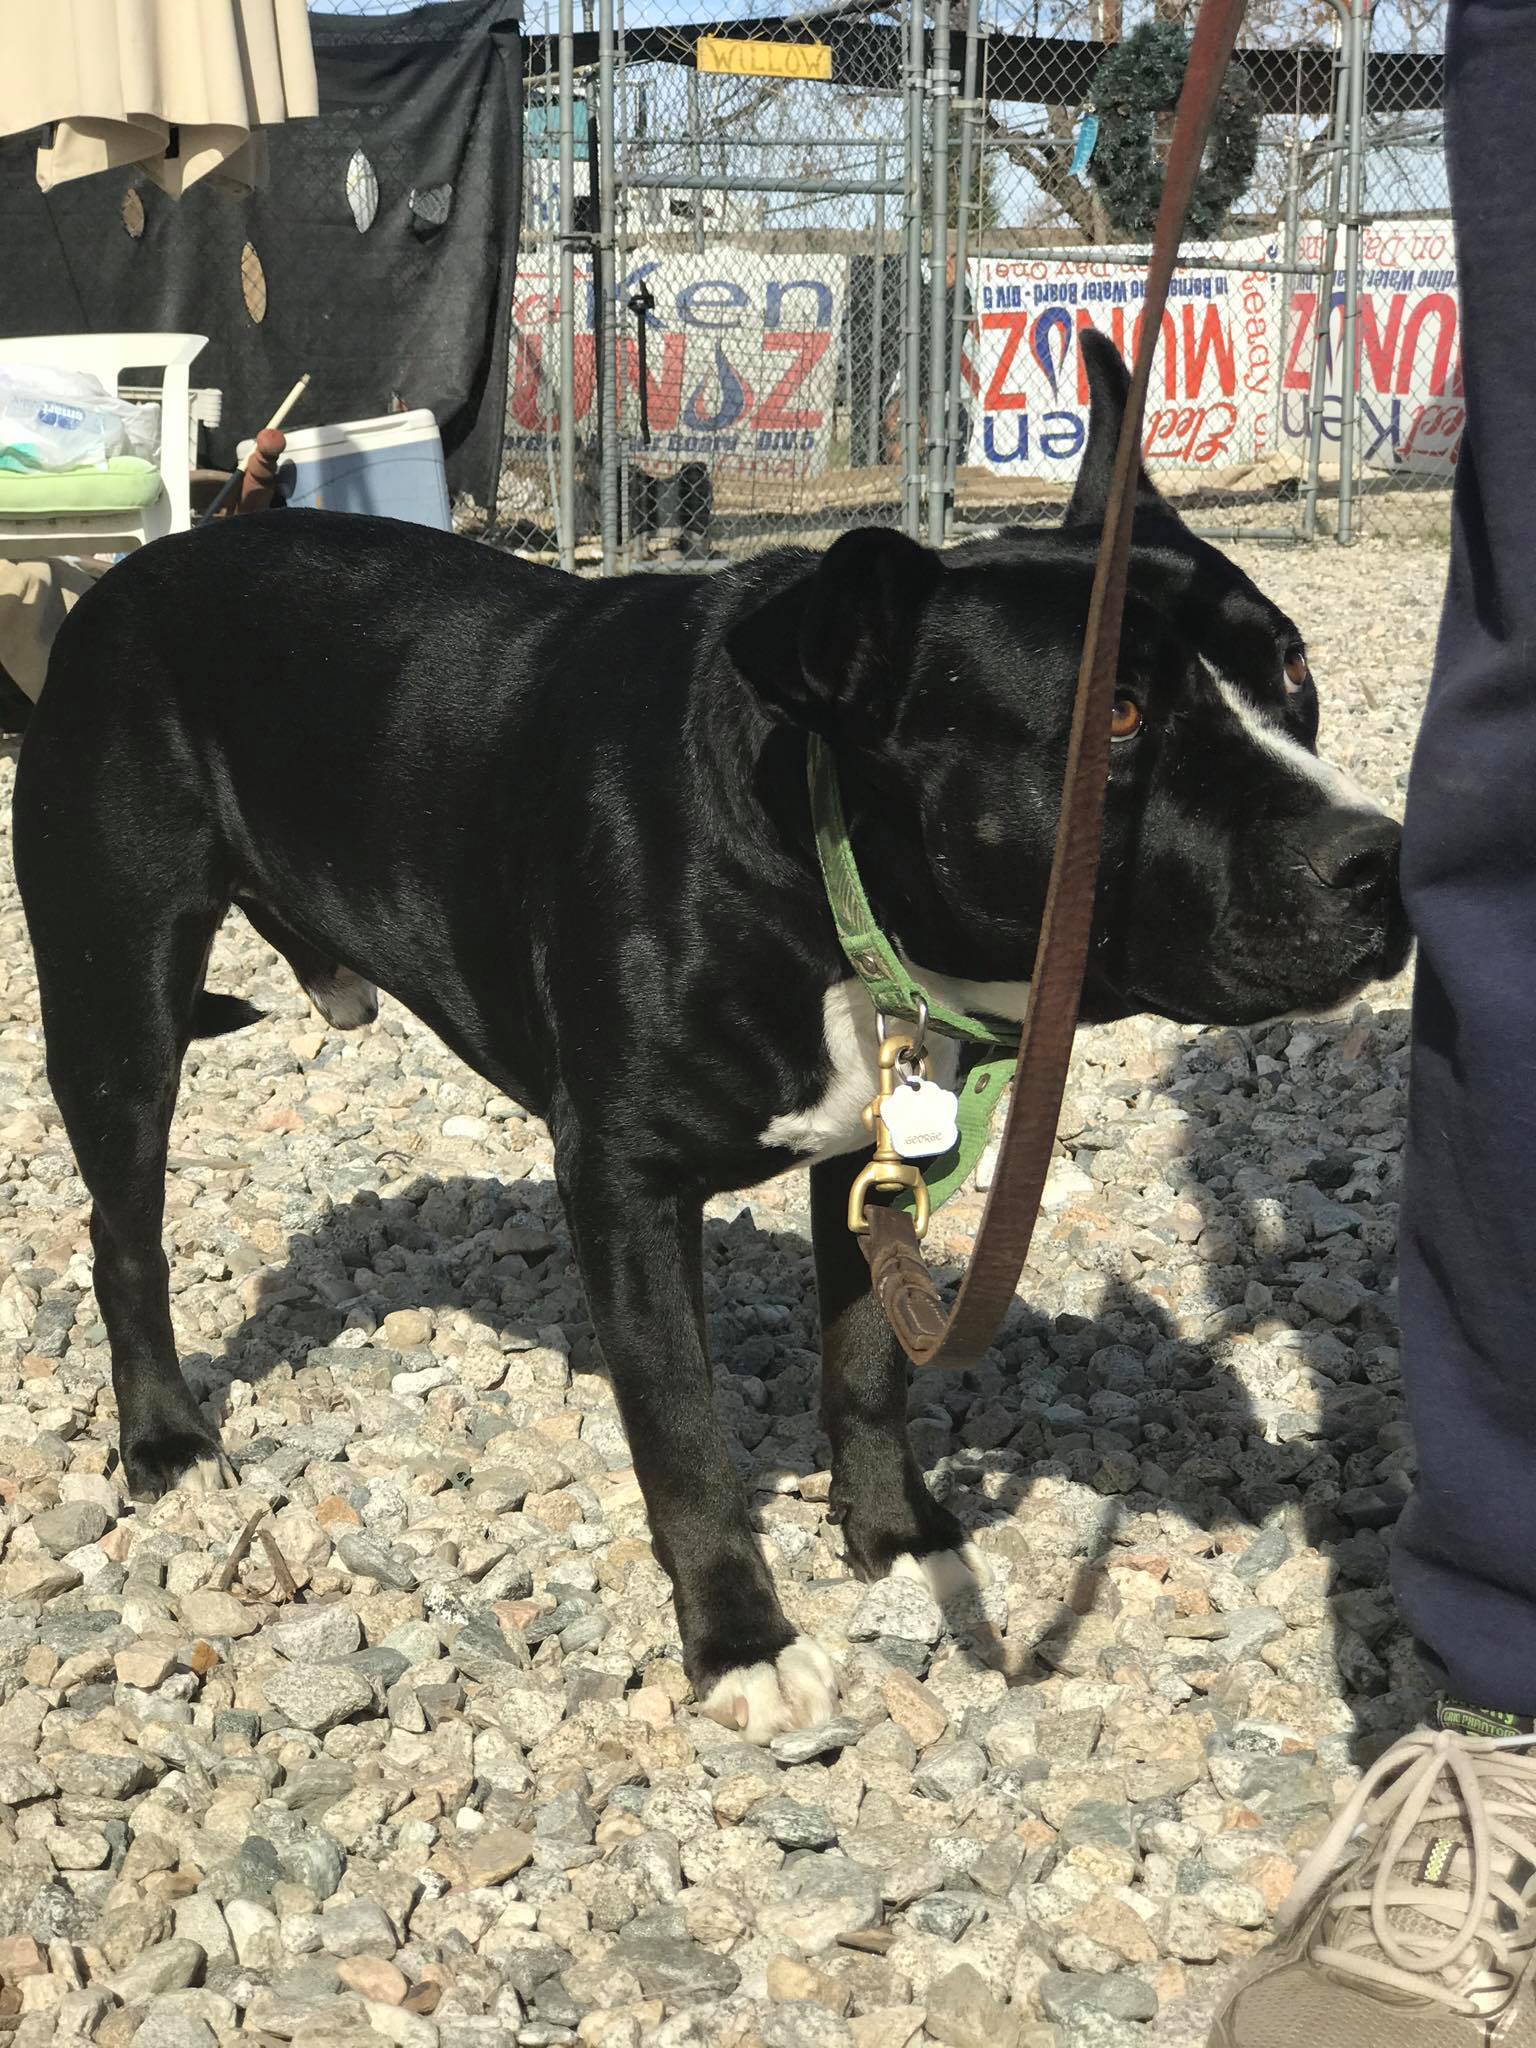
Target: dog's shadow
{"type": "Point", "coordinates": [491, 1263]}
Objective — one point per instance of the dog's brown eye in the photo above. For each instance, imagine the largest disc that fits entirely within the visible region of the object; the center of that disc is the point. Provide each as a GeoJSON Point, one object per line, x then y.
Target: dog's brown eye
{"type": "Point", "coordinates": [1296, 671]}
{"type": "Point", "coordinates": [1126, 720]}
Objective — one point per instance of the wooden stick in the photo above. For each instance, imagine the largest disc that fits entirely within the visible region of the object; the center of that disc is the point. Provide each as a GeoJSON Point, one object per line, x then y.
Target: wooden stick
{"type": "Point", "coordinates": [226, 1574]}
{"type": "Point", "coordinates": [288, 403]}
{"type": "Point", "coordinates": [279, 1565]}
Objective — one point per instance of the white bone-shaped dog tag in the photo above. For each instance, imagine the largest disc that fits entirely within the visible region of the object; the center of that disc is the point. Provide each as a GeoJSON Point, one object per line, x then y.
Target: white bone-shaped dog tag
{"type": "Point", "coordinates": [920, 1119]}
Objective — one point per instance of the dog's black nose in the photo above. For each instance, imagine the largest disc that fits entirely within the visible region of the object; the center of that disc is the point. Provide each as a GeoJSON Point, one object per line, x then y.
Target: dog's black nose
{"type": "Point", "coordinates": [1353, 849]}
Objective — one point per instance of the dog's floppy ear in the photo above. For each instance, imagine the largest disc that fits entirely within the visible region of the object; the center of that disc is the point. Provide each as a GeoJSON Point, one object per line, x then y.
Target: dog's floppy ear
{"type": "Point", "coordinates": [1109, 386]}
{"type": "Point", "coordinates": [826, 652]}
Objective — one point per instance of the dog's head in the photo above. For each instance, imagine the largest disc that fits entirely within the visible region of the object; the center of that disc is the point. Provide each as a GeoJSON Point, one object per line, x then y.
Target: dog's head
{"type": "Point", "coordinates": [1242, 876]}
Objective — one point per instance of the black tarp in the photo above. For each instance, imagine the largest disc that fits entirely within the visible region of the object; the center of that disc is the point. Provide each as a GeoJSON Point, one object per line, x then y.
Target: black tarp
{"type": "Point", "coordinates": [415, 310]}
{"type": "Point", "coordinates": [1042, 70]}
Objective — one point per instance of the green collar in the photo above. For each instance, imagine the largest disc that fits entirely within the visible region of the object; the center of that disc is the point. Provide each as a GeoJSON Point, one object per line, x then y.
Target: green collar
{"type": "Point", "coordinates": [895, 993]}
{"type": "Point", "coordinates": [873, 958]}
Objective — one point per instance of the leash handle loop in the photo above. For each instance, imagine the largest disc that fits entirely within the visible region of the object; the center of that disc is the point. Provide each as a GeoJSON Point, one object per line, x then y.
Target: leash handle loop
{"type": "Point", "coordinates": [900, 1280]}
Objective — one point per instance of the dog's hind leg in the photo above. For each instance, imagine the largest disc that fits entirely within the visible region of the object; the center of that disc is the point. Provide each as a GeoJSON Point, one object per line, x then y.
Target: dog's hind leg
{"type": "Point", "coordinates": [121, 945]}
{"type": "Point", "coordinates": [343, 998]}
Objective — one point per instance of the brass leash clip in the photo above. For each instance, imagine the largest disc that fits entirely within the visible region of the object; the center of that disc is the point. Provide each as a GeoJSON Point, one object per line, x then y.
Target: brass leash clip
{"type": "Point", "coordinates": [888, 1169]}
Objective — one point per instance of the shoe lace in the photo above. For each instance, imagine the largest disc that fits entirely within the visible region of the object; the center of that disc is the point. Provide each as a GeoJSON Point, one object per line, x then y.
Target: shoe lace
{"type": "Point", "coordinates": [1385, 1927]}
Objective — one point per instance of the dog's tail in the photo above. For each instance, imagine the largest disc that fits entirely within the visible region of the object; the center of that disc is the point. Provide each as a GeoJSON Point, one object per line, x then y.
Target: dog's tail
{"type": "Point", "coordinates": [214, 1015]}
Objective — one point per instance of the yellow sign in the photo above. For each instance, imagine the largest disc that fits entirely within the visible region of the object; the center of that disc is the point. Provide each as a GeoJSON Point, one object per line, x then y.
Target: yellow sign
{"type": "Point", "coordinates": [763, 60]}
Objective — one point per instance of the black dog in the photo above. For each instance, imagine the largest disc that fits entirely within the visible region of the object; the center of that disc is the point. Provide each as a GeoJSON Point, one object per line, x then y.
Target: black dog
{"type": "Point", "coordinates": [566, 823]}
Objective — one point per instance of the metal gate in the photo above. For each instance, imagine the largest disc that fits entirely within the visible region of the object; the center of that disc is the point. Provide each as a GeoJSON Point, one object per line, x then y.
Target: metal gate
{"type": "Point", "coordinates": [803, 271]}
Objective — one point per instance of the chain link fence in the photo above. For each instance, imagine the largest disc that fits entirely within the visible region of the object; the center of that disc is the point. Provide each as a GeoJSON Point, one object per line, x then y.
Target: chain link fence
{"type": "Point", "coordinates": [1221, 440]}
{"type": "Point", "coordinates": [853, 251]}
{"type": "Point", "coordinates": [757, 320]}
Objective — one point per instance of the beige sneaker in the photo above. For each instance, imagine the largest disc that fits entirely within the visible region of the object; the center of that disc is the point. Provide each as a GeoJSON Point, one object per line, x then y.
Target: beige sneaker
{"type": "Point", "coordinates": [1413, 1924]}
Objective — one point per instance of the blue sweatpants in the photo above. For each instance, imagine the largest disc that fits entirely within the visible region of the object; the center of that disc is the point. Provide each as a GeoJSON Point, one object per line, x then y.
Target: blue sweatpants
{"type": "Point", "coordinates": [1465, 1560]}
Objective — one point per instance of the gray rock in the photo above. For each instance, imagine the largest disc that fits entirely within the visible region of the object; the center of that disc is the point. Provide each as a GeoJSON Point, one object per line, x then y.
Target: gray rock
{"type": "Point", "coordinates": [951, 1771]}
{"type": "Point", "coordinates": [87, 1775]}
{"type": "Point", "coordinates": [1090, 2029]}
{"type": "Point", "coordinates": [678, 1969]}
{"type": "Point", "coordinates": [1232, 1903]}
{"type": "Point", "coordinates": [314, 1634]}
{"type": "Point", "coordinates": [1335, 1298]}
{"type": "Point", "coordinates": [565, 1818]}
{"type": "Point", "coordinates": [1070, 1737]}
{"type": "Point", "coordinates": [792, 1825]}
{"type": "Point", "coordinates": [368, 1558]}
{"type": "Point", "coordinates": [357, 1927]}
{"type": "Point", "coordinates": [257, 1868]}
{"type": "Point", "coordinates": [1248, 1630]}
{"type": "Point", "coordinates": [799, 2024]}
{"type": "Point", "coordinates": [804, 1745]}
{"type": "Point", "coordinates": [317, 1697]}
{"type": "Point", "coordinates": [945, 1914]}
{"type": "Point", "coordinates": [481, 1642]}
{"type": "Point", "coordinates": [1064, 1994]}
{"type": "Point", "coordinates": [315, 1860]}
{"type": "Point", "coordinates": [159, 2029]}
{"type": "Point", "coordinates": [23, 1780]}
{"type": "Point", "coordinates": [166, 1967]}
{"type": "Point", "coordinates": [70, 1527]}
{"type": "Point", "coordinates": [1098, 1820]}
{"type": "Point", "coordinates": [823, 1898]}
{"type": "Point", "coordinates": [897, 1607]}
{"type": "Point", "coordinates": [1266, 1553]}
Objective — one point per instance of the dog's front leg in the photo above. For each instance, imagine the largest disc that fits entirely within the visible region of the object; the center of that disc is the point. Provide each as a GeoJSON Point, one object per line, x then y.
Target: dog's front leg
{"type": "Point", "coordinates": [639, 1250]}
{"type": "Point", "coordinates": [890, 1521]}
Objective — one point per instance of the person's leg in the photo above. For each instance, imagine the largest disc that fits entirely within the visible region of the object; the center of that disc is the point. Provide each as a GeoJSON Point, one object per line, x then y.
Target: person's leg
{"type": "Point", "coordinates": [1409, 1925]}
{"type": "Point", "coordinates": [1465, 1560]}
{"type": "Point", "coordinates": [35, 600]}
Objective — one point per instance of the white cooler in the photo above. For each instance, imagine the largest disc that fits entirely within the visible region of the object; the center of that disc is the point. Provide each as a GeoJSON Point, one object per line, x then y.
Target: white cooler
{"type": "Point", "coordinates": [392, 465]}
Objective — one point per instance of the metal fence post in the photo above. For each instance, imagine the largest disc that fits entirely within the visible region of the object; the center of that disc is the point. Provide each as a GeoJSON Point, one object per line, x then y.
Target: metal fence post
{"type": "Point", "coordinates": [970, 121]}
{"type": "Point", "coordinates": [877, 316]}
{"type": "Point", "coordinates": [696, 162]}
{"type": "Point", "coordinates": [941, 87]}
{"type": "Point", "coordinates": [912, 281]}
{"type": "Point", "coordinates": [608, 330]}
{"type": "Point", "coordinates": [1354, 180]}
{"type": "Point", "coordinates": [566, 507]}
{"type": "Point", "coordinates": [1317, 384]}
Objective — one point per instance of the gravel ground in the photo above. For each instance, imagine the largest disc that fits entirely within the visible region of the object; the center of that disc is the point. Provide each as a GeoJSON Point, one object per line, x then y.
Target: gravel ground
{"type": "Point", "coordinates": [452, 1790]}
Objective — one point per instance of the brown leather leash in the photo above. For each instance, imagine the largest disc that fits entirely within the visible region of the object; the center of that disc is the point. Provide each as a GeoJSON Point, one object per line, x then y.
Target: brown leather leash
{"type": "Point", "coordinates": [901, 1282]}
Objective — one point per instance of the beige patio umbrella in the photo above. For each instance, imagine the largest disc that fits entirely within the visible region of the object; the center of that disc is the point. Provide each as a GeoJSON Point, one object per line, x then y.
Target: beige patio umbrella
{"type": "Point", "coordinates": [181, 87]}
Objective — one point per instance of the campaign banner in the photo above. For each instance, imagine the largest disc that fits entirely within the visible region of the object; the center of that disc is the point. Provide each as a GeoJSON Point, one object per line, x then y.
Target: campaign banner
{"type": "Point", "coordinates": [741, 360]}
{"type": "Point", "coordinates": [1411, 409]}
{"type": "Point", "coordinates": [1214, 375]}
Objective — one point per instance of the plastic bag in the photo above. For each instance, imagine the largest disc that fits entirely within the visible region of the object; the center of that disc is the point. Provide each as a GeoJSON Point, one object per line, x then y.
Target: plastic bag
{"type": "Point", "coordinates": [67, 419]}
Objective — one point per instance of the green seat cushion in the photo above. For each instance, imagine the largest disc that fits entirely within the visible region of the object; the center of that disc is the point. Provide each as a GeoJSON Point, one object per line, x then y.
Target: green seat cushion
{"type": "Point", "coordinates": [127, 483]}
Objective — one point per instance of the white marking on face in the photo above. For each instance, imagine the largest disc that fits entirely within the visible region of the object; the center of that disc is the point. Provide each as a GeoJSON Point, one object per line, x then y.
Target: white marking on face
{"type": "Point", "coordinates": [1332, 782]}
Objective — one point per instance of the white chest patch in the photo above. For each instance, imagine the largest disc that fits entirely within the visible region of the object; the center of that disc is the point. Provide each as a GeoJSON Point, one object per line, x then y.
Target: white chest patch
{"type": "Point", "coordinates": [833, 1124]}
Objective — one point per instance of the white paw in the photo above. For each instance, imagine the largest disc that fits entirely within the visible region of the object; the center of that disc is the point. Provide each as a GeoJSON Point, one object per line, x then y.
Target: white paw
{"type": "Point", "coordinates": [213, 1474]}
{"type": "Point", "coordinates": [946, 1573]}
{"type": "Point", "coordinates": [759, 1701]}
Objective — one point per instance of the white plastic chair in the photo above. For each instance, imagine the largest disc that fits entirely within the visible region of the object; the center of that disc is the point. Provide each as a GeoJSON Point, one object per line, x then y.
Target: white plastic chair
{"type": "Point", "coordinates": [106, 356]}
